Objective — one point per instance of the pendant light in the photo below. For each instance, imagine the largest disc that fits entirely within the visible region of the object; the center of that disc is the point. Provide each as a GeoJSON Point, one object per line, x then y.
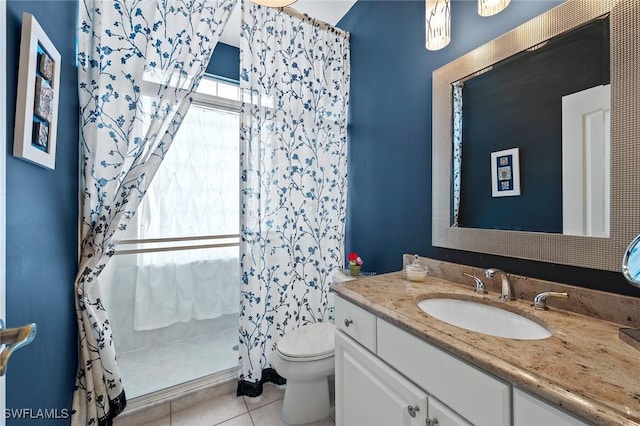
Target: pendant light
{"type": "Point", "coordinates": [274, 3]}
{"type": "Point", "coordinates": [491, 7]}
{"type": "Point", "coordinates": [438, 23]}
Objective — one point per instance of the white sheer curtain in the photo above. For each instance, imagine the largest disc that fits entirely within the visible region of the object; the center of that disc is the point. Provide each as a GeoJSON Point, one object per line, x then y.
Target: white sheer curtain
{"type": "Point", "coordinates": [194, 193]}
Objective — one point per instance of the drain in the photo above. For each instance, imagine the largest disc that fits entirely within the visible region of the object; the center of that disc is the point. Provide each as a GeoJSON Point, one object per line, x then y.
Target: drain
{"type": "Point", "coordinates": [236, 348]}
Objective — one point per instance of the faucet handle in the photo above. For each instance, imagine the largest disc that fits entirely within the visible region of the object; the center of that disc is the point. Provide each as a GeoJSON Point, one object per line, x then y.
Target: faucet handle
{"type": "Point", "coordinates": [491, 271]}
{"type": "Point", "coordinates": [480, 287]}
{"type": "Point", "coordinates": [540, 301]}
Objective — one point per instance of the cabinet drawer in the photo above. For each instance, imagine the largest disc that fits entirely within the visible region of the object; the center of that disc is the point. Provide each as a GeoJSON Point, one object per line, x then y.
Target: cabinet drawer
{"type": "Point", "coordinates": [477, 396]}
{"type": "Point", "coordinates": [356, 323]}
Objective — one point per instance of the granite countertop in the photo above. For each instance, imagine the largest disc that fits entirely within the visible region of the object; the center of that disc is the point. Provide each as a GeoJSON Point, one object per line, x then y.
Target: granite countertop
{"type": "Point", "coordinates": [583, 367]}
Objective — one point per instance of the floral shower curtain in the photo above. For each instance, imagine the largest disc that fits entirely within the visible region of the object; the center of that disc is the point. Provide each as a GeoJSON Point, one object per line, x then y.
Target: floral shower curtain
{"type": "Point", "coordinates": [457, 149]}
{"type": "Point", "coordinates": [294, 74]}
{"type": "Point", "coordinates": [127, 49]}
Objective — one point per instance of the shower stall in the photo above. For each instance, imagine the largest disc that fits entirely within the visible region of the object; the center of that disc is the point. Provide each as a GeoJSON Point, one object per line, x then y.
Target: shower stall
{"type": "Point", "coordinates": [168, 336]}
{"type": "Point", "coordinates": [172, 290]}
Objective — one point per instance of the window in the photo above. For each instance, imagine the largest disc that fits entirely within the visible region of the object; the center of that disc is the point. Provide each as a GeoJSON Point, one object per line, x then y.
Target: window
{"type": "Point", "coordinates": [186, 231]}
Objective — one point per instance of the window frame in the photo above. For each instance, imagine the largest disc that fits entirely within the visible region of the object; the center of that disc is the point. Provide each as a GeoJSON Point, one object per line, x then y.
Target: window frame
{"type": "Point", "coordinates": [230, 240]}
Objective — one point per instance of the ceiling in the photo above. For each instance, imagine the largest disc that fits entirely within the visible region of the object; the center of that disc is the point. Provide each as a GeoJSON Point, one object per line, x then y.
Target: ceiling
{"type": "Point", "coordinates": [329, 11]}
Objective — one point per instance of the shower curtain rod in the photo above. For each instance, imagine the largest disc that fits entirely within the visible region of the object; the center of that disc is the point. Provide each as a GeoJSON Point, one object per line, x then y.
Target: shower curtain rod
{"type": "Point", "coordinates": [316, 22]}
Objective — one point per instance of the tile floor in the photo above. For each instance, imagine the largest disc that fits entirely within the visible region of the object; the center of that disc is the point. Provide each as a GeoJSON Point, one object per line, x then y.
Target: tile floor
{"type": "Point", "coordinates": [179, 362]}
{"type": "Point", "coordinates": [226, 410]}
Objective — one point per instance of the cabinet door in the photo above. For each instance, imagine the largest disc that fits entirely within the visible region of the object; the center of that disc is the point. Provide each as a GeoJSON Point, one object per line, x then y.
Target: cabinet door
{"type": "Point", "coordinates": [440, 415]}
{"type": "Point", "coordinates": [479, 397]}
{"type": "Point", "coordinates": [370, 393]}
{"type": "Point", "coordinates": [531, 411]}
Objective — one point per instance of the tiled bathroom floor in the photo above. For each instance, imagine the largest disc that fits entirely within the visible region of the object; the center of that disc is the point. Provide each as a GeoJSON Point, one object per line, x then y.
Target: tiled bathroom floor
{"type": "Point", "coordinates": [225, 410]}
{"type": "Point", "coordinates": [159, 367]}
{"type": "Point", "coordinates": [230, 410]}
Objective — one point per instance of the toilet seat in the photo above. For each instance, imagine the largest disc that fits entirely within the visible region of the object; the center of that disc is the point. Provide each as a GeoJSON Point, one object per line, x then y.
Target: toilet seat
{"type": "Point", "coordinates": [311, 342]}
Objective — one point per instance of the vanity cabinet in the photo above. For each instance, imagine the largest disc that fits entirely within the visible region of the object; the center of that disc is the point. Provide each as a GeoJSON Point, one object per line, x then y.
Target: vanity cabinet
{"type": "Point", "coordinates": [392, 377]}
{"type": "Point", "coordinates": [529, 410]}
{"type": "Point", "coordinates": [478, 397]}
{"type": "Point", "coordinates": [369, 392]}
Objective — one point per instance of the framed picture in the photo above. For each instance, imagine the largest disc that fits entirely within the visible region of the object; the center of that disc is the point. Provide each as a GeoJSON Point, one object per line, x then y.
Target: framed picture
{"type": "Point", "coordinates": [37, 100]}
{"type": "Point", "coordinates": [505, 173]}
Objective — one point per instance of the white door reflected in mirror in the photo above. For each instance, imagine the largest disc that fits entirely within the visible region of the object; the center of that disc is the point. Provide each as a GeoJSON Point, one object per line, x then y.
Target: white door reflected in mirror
{"type": "Point", "coordinates": [586, 143]}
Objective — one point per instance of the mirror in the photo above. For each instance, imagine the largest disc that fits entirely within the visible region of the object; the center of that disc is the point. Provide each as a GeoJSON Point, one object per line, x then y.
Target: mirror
{"type": "Point", "coordinates": [631, 262]}
{"type": "Point", "coordinates": [577, 250]}
{"type": "Point", "coordinates": [631, 271]}
{"type": "Point", "coordinates": [537, 101]}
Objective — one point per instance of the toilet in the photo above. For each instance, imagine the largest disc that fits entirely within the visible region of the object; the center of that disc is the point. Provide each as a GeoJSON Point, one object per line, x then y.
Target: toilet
{"type": "Point", "coordinates": [305, 357]}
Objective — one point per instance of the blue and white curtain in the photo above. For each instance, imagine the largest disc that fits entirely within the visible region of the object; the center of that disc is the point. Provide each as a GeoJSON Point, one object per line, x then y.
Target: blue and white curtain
{"type": "Point", "coordinates": [294, 75]}
{"type": "Point", "coordinates": [457, 149]}
{"type": "Point", "coordinates": [127, 49]}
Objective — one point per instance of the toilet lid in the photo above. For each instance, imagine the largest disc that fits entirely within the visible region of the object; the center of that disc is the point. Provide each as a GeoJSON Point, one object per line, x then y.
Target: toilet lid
{"type": "Point", "coordinates": [311, 340]}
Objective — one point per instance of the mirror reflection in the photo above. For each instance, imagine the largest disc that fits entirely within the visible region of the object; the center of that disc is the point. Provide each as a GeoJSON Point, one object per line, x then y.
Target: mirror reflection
{"type": "Point", "coordinates": [552, 104]}
{"type": "Point", "coordinates": [631, 262]}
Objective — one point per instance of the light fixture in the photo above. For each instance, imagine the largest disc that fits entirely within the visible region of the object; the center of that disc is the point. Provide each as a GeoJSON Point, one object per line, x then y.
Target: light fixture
{"type": "Point", "coordinates": [438, 23]}
{"type": "Point", "coordinates": [491, 7]}
{"type": "Point", "coordinates": [274, 3]}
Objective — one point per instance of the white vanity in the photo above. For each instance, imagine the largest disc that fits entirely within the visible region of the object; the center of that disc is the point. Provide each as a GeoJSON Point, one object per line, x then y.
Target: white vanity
{"type": "Point", "coordinates": [397, 366]}
{"type": "Point", "coordinates": [386, 376]}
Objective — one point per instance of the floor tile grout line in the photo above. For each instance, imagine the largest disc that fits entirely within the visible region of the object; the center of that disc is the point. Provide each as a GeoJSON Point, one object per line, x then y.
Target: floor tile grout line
{"type": "Point", "coordinates": [246, 406]}
{"type": "Point", "coordinates": [251, 417]}
{"type": "Point", "coordinates": [245, 403]}
{"type": "Point", "coordinates": [231, 418]}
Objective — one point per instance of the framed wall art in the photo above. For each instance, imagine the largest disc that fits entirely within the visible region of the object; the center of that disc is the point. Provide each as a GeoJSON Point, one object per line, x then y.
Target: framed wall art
{"type": "Point", "coordinates": [505, 173]}
{"type": "Point", "coordinates": [37, 100]}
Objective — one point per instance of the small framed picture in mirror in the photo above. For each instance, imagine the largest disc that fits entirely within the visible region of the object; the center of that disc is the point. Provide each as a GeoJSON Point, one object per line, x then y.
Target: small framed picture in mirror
{"type": "Point", "coordinates": [505, 173]}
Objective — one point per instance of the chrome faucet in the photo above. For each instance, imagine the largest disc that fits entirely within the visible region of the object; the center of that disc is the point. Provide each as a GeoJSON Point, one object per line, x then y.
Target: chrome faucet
{"type": "Point", "coordinates": [540, 301]}
{"type": "Point", "coordinates": [480, 287]}
{"type": "Point", "coordinates": [506, 294]}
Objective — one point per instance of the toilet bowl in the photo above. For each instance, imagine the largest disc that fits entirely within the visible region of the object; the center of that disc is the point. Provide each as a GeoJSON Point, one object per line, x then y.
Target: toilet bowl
{"type": "Point", "coordinates": [305, 357]}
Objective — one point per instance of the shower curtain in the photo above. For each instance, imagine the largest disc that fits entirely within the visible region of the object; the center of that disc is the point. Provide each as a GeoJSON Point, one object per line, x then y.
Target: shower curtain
{"type": "Point", "coordinates": [457, 149]}
{"type": "Point", "coordinates": [294, 74]}
{"type": "Point", "coordinates": [125, 47]}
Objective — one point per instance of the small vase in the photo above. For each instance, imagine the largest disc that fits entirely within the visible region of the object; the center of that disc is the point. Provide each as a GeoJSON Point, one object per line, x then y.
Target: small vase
{"type": "Point", "coordinates": [355, 270]}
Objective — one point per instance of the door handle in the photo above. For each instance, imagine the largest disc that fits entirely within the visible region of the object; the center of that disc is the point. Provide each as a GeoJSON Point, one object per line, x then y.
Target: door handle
{"type": "Point", "coordinates": [14, 339]}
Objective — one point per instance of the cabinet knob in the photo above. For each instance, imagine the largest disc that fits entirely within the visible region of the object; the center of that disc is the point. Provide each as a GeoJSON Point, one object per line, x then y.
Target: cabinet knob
{"type": "Point", "coordinates": [348, 322]}
{"type": "Point", "coordinates": [413, 409]}
{"type": "Point", "coordinates": [432, 422]}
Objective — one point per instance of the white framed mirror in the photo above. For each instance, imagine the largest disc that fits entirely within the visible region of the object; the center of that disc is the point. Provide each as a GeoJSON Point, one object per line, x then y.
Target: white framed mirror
{"type": "Point", "coordinates": [624, 218]}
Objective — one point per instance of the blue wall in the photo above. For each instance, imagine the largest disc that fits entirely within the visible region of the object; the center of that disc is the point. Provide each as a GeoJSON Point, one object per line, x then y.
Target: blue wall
{"type": "Point", "coordinates": [225, 62]}
{"type": "Point", "coordinates": [389, 211]}
{"type": "Point", "coordinates": [42, 221]}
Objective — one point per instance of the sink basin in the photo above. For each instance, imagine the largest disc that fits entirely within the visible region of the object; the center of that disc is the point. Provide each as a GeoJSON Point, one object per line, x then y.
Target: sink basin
{"type": "Point", "coordinates": [485, 319]}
